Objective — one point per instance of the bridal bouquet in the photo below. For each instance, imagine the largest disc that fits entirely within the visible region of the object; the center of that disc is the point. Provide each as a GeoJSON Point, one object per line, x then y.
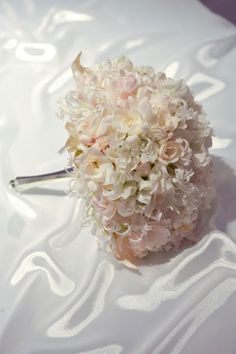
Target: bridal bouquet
{"type": "Point", "coordinates": [139, 143]}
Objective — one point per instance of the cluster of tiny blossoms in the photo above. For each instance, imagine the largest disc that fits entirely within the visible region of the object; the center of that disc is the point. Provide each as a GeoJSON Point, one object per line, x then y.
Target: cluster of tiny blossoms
{"type": "Point", "coordinates": [139, 143]}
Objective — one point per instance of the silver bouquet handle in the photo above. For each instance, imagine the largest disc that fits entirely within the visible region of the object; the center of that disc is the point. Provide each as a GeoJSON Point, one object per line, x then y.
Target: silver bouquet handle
{"type": "Point", "coordinates": [25, 182]}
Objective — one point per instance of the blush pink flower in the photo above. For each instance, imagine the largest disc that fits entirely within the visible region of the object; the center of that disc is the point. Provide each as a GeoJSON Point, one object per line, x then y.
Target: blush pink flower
{"type": "Point", "coordinates": [127, 85]}
{"type": "Point", "coordinates": [139, 144]}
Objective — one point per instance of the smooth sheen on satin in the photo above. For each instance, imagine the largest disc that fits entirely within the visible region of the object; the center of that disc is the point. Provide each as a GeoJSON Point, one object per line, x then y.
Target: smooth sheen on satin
{"type": "Point", "coordinates": [59, 293]}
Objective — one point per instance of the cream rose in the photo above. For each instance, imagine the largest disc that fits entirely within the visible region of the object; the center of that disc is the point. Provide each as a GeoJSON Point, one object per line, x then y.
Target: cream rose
{"type": "Point", "coordinates": [170, 152]}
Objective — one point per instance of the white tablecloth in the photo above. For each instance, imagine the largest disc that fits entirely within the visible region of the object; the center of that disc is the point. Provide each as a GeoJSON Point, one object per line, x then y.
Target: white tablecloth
{"type": "Point", "coordinates": [59, 294]}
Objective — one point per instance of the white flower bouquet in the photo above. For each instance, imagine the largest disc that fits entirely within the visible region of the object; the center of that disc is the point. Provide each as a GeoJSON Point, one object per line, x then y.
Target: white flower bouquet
{"type": "Point", "coordinates": [139, 143]}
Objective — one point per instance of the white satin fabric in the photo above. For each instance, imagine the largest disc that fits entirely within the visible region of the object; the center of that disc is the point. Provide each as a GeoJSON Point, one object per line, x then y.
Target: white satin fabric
{"type": "Point", "coordinates": [59, 294]}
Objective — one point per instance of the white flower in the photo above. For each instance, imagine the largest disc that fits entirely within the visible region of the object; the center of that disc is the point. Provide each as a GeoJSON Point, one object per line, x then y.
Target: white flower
{"type": "Point", "coordinates": [201, 159]}
{"type": "Point", "coordinates": [149, 151]}
{"type": "Point", "coordinates": [129, 122]}
{"type": "Point", "coordinates": [95, 167]}
{"type": "Point", "coordinates": [139, 144]}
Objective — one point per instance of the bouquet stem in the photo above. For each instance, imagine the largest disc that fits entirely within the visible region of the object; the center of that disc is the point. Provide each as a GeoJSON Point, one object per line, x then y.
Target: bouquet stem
{"type": "Point", "coordinates": [25, 182]}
